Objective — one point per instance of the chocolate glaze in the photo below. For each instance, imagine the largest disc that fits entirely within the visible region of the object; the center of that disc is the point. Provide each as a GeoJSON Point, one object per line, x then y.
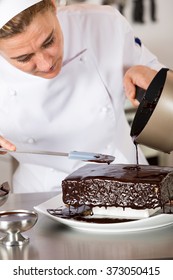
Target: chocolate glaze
{"type": "Point", "coordinates": [100, 158]}
{"type": "Point", "coordinates": [119, 185]}
{"type": "Point", "coordinates": [101, 220]}
{"type": "Point", "coordinates": [79, 216]}
{"type": "Point", "coordinates": [67, 212]}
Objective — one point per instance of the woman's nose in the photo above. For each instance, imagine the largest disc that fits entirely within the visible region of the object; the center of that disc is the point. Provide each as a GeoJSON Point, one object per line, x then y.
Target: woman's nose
{"type": "Point", "coordinates": [43, 62]}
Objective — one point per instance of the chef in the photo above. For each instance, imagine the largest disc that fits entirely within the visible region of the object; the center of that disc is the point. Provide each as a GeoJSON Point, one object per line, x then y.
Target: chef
{"type": "Point", "coordinates": [61, 86]}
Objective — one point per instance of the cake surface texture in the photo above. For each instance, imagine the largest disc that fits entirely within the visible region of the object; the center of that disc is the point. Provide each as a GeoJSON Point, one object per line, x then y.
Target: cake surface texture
{"type": "Point", "coordinates": [119, 185]}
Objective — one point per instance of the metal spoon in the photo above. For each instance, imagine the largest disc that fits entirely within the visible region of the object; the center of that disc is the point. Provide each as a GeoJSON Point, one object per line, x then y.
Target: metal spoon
{"type": "Point", "coordinates": [84, 156]}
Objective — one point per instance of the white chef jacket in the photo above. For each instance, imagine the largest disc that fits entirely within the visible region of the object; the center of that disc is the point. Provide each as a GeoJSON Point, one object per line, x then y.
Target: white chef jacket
{"type": "Point", "coordinates": [82, 109]}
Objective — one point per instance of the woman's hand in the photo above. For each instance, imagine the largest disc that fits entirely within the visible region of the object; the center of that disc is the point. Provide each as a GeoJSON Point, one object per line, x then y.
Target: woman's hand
{"type": "Point", "coordinates": [6, 145]}
{"type": "Point", "coordinates": [140, 76]}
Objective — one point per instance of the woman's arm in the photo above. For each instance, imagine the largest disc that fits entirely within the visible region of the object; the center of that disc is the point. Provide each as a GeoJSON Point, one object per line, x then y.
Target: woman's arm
{"type": "Point", "coordinates": [140, 76]}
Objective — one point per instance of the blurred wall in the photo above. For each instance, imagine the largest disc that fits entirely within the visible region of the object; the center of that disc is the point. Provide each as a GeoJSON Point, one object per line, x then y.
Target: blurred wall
{"type": "Point", "coordinates": [157, 36]}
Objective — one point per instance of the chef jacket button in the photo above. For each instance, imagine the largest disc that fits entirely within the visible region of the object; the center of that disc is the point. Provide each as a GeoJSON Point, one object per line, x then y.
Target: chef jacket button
{"type": "Point", "coordinates": [104, 109]}
{"type": "Point", "coordinates": [13, 92]}
{"type": "Point", "coordinates": [83, 59]}
{"type": "Point", "coordinates": [52, 170]}
{"type": "Point", "coordinates": [108, 147]}
{"type": "Point", "coordinates": [30, 140]}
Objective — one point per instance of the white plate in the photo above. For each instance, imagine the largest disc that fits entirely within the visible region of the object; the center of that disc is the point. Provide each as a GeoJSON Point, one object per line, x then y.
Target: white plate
{"type": "Point", "coordinates": [154, 222]}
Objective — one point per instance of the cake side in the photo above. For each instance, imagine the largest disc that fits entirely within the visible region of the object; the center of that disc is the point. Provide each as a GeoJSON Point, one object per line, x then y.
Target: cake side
{"type": "Point", "coordinates": [118, 185]}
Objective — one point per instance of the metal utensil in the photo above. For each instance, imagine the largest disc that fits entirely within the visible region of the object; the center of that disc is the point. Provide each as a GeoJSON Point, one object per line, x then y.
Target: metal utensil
{"type": "Point", "coordinates": [13, 222]}
{"type": "Point", "coordinates": [84, 156]}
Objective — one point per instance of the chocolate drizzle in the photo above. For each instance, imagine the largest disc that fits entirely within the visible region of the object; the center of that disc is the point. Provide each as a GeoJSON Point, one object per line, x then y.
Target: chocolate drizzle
{"type": "Point", "coordinates": [69, 212]}
{"type": "Point", "coordinates": [79, 216]}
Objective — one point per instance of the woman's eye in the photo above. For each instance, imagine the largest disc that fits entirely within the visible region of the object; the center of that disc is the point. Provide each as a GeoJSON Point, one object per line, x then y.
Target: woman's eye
{"type": "Point", "coordinates": [49, 43]}
{"type": "Point", "coordinates": [25, 59]}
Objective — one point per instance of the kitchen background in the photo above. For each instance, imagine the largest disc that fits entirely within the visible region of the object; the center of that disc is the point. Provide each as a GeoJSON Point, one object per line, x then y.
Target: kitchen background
{"type": "Point", "coordinates": [157, 35]}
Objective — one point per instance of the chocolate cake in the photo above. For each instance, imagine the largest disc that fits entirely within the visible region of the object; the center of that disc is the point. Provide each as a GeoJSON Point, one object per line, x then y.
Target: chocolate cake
{"type": "Point", "coordinates": [119, 185]}
{"type": "Point", "coordinates": [4, 189]}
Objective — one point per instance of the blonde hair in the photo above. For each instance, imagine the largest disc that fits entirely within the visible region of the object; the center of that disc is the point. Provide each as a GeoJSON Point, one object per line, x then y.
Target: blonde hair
{"type": "Point", "coordinates": [18, 24]}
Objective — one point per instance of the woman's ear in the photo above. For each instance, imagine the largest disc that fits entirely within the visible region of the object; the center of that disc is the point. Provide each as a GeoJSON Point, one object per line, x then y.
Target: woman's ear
{"type": "Point", "coordinates": [54, 3]}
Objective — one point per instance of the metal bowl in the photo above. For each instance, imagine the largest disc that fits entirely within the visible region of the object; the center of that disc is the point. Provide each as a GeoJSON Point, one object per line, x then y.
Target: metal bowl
{"type": "Point", "coordinates": [3, 199]}
{"type": "Point", "coordinates": [152, 125]}
{"type": "Point", "coordinates": [13, 222]}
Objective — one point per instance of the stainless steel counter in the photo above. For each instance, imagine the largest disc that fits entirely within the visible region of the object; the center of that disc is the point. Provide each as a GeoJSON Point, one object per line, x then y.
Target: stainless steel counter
{"type": "Point", "coordinates": [49, 240]}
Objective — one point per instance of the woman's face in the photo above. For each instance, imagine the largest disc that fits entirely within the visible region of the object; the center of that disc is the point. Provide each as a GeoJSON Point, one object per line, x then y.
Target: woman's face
{"type": "Point", "coordinates": [39, 49]}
